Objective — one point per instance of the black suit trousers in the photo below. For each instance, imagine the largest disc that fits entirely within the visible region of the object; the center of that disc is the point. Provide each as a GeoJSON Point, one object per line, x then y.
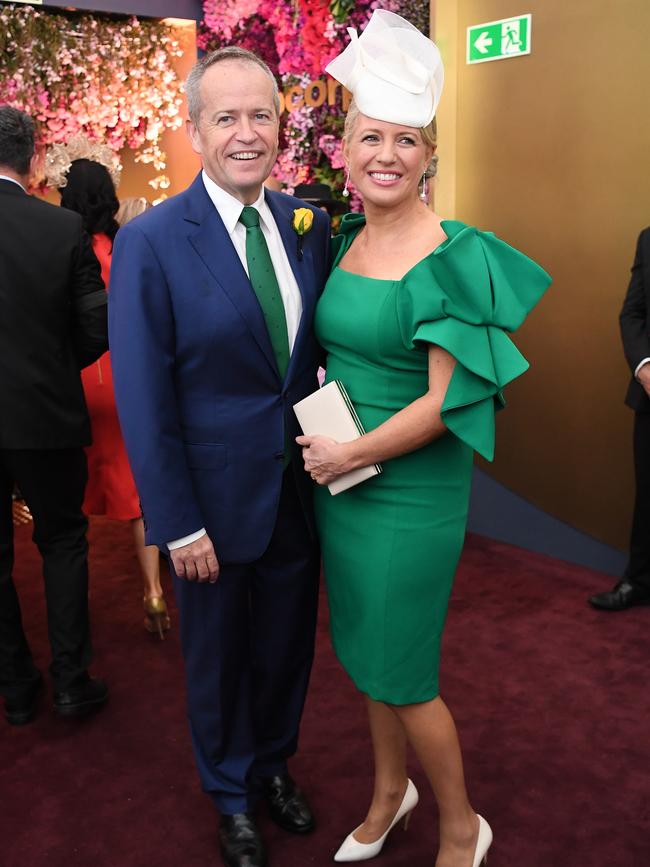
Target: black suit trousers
{"type": "Point", "coordinates": [638, 568]}
{"type": "Point", "coordinates": [52, 482]}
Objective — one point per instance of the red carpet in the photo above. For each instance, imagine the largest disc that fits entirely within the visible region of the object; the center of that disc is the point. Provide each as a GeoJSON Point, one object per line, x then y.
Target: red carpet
{"type": "Point", "coordinates": [551, 699]}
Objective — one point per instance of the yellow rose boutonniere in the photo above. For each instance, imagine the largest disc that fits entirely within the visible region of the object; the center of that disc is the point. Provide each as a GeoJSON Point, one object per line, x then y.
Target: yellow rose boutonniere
{"type": "Point", "coordinates": [301, 224]}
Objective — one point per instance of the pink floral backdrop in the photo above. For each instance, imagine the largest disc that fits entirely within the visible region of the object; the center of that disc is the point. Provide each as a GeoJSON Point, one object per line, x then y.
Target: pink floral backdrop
{"type": "Point", "coordinates": [111, 80]}
{"type": "Point", "coordinates": [297, 38]}
{"type": "Point", "coordinates": [115, 82]}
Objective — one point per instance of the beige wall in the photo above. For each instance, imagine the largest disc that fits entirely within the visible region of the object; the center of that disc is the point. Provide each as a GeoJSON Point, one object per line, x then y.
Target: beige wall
{"type": "Point", "coordinates": [552, 152]}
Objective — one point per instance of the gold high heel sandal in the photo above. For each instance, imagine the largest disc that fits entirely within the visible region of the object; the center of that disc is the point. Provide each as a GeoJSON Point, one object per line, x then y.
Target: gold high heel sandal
{"type": "Point", "coordinates": [156, 617]}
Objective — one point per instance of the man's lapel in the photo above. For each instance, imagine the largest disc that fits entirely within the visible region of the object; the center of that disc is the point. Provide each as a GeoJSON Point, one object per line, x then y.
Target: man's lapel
{"type": "Point", "coordinates": [303, 269]}
{"type": "Point", "coordinates": [210, 239]}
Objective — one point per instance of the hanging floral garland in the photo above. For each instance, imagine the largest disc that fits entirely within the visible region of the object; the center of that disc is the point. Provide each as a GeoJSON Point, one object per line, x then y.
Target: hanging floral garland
{"type": "Point", "coordinates": [297, 38]}
{"type": "Point", "coordinates": [113, 81]}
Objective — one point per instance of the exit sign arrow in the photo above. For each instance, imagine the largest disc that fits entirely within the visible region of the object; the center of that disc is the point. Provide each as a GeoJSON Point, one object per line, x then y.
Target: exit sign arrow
{"type": "Point", "coordinates": [498, 40]}
{"type": "Point", "coordinates": [483, 42]}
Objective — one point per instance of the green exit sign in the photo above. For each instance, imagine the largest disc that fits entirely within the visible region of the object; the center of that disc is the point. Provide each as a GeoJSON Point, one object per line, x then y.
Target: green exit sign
{"type": "Point", "coordinates": [497, 40]}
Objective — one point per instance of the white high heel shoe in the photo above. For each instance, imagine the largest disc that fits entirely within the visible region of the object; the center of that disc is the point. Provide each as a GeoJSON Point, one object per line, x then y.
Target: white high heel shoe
{"type": "Point", "coordinates": [483, 843]}
{"type": "Point", "coordinates": [352, 850]}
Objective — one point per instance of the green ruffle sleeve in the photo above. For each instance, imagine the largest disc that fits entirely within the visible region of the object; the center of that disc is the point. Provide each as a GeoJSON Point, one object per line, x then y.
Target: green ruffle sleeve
{"type": "Point", "coordinates": [464, 297]}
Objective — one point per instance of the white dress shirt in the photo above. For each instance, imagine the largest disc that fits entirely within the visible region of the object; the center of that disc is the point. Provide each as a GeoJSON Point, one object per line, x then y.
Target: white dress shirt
{"type": "Point", "coordinates": [230, 209]}
{"type": "Point", "coordinates": [640, 365]}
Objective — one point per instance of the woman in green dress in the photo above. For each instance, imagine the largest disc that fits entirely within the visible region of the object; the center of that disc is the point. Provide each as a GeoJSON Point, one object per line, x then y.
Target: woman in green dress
{"type": "Point", "coordinates": [414, 320]}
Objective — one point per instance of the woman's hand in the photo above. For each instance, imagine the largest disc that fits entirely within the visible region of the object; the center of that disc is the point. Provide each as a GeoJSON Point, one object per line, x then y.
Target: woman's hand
{"type": "Point", "coordinates": [411, 428]}
{"type": "Point", "coordinates": [20, 513]}
{"type": "Point", "coordinates": [325, 459]}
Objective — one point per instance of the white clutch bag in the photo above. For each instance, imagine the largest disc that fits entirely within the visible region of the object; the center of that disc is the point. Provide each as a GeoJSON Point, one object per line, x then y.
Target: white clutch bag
{"type": "Point", "coordinates": [330, 413]}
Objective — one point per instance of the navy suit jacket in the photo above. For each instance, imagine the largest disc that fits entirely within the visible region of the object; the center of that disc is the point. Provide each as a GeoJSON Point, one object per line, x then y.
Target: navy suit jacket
{"type": "Point", "coordinates": [201, 404]}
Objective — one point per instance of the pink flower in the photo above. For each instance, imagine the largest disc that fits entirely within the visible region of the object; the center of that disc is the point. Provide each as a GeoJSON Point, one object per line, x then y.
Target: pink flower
{"type": "Point", "coordinates": [223, 16]}
{"type": "Point", "coordinates": [332, 147]}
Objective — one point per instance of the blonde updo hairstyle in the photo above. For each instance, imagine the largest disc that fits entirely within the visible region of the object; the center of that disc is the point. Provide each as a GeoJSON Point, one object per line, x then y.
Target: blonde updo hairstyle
{"type": "Point", "coordinates": [429, 135]}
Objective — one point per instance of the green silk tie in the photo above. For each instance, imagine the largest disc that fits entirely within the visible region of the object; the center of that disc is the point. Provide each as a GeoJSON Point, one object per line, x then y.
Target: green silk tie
{"type": "Point", "coordinates": [265, 284]}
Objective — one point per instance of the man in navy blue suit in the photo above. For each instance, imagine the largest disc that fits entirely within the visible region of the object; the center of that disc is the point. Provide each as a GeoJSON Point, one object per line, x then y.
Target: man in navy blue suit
{"type": "Point", "coordinates": [211, 307]}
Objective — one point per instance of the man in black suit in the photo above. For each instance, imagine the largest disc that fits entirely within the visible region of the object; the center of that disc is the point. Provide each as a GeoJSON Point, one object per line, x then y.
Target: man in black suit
{"type": "Point", "coordinates": [634, 587]}
{"type": "Point", "coordinates": [52, 323]}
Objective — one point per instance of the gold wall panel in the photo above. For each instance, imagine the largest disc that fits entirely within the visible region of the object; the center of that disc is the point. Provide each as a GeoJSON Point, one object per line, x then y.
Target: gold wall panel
{"type": "Point", "coordinates": [552, 152]}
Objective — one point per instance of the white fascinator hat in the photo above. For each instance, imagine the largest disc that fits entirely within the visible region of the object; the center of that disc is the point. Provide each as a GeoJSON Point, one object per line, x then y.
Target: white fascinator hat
{"type": "Point", "coordinates": [394, 72]}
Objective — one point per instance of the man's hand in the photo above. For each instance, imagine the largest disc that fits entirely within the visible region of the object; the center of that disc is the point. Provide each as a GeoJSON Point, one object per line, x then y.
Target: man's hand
{"type": "Point", "coordinates": [644, 377]}
{"type": "Point", "coordinates": [196, 561]}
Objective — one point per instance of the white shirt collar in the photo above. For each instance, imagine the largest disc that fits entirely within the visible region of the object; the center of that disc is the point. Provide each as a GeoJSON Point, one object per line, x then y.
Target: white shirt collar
{"type": "Point", "coordinates": [13, 180]}
{"type": "Point", "coordinates": [230, 208]}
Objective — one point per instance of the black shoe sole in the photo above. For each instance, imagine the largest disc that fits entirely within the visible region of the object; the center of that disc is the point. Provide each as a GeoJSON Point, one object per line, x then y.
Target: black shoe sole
{"type": "Point", "coordinates": [25, 716]}
{"type": "Point", "coordinates": [20, 719]}
{"type": "Point", "coordinates": [237, 862]}
{"type": "Point", "coordinates": [84, 708]}
{"type": "Point", "coordinates": [599, 607]}
{"type": "Point", "coordinates": [293, 829]}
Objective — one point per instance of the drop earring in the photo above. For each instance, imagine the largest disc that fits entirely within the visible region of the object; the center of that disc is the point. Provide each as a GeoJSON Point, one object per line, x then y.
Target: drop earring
{"type": "Point", "coordinates": [346, 192]}
{"type": "Point", "coordinates": [424, 195]}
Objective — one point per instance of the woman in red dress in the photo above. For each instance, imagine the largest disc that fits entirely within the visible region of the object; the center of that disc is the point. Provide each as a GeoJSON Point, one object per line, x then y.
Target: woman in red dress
{"type": "Point", "coordinates": [111, 490]}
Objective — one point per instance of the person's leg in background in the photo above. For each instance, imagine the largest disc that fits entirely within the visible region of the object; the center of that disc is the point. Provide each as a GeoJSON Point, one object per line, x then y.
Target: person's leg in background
{"type": "Point", "coordinates": [634, 586]}
{"type": "Point", "coordinates": [53, 484]}
{"type": "Point", "coordinates": [20, 680]}
{"type": "Point", "coordinates": [156, 617]}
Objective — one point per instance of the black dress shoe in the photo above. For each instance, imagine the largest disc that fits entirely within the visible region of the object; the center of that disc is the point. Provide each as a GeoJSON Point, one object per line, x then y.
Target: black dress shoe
{"type": "Point", "coordinates": [287, 805]}
{"type": "Point", "coordinates": [240, 842]}
{"type": "Point", "coordinates": [81, 700]}
{"type": "Point", "coordinates": [624, 595]}
{"type": "Point", "coordinates": [21, 709]}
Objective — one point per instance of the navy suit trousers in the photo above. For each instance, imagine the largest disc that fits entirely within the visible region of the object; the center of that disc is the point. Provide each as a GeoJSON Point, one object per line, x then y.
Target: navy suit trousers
{"type": "Point", "coordinates": [248, 645]}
